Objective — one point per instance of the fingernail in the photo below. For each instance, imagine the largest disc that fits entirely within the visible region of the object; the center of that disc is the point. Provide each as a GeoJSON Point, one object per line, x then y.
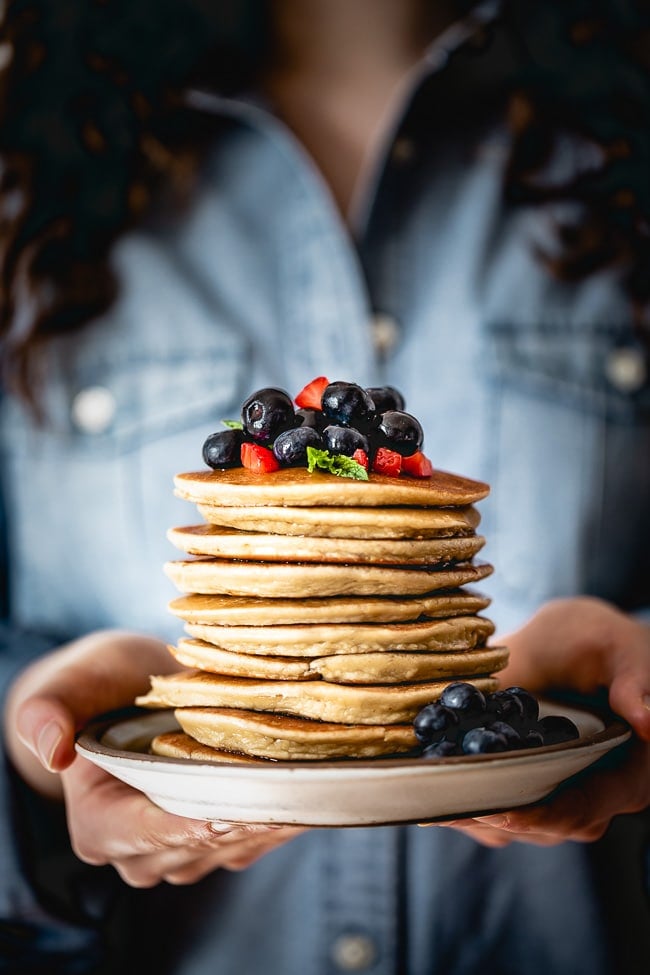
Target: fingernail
{"type": "Point", "coordinates": [645, 700]}
{"type": "Point", "coordinates": [220, 828]}
{"type": "Point", "coordinates": [497, 821]}
{"type": "Point", "coordinates": [47, 743]}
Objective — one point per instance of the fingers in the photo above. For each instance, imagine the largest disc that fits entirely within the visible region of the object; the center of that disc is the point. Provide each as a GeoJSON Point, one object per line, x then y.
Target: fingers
{"type": "Point", "coordinates": [110, 823]}
{"type": "Point", "coordinates": [580, 812]}
{"type": "Point", "coordinates": [585, 644]}
{"type": "Point", "coordinates": [235, 850]}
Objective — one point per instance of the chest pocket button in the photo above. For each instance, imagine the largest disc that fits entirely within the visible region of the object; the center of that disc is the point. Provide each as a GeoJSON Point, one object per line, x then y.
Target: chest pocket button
{"type": "Point", "coordinates": [626, 369]}
{"type": "Point", "coordinates": [93, 409]}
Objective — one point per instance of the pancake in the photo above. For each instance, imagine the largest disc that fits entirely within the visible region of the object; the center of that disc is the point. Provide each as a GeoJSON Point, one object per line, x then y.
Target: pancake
{"type": "Point", "coordinates": [296, 486]}
{"type": "Point", "coordinates": [241, 611]}
{"type": "Point", "coordinates": [292, 739]}
{"type": "Point", "coordinates": [176, 744]}
{"type": "Point", "coordinates": [229, 543]}
{"type": "Point", "coordinates": [300, 580]}
{"type": "Point", "coordinates": [386, 667]}
{"type": "Point", "coordinates": [319, 640]}
{"type": "Point", "coordinates": [319, 700]}
{"type": "Point", "coordinates": [347, 522]}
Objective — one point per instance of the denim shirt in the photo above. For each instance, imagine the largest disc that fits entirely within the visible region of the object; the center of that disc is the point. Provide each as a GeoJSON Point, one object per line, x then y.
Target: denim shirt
{"type": "Point", "coordinates": [536, 386]}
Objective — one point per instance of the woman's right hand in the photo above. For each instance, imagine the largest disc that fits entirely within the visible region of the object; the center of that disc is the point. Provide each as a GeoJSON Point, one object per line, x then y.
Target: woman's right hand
{"type": "Point", "coordinates": [109, 822]}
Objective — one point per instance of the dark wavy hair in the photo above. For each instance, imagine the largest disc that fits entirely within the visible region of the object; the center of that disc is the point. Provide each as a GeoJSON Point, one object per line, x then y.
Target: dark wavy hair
{"type": "Point", "coordinates": [93, 125]}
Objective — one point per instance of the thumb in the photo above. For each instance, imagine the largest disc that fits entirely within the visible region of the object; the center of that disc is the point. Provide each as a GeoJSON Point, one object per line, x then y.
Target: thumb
{"type": "Point", "coordinates": [58, 695]}
{"type": "Point", "coordinates": [46, 726]}
{"type": "Point", "coordinates": [629, 694]}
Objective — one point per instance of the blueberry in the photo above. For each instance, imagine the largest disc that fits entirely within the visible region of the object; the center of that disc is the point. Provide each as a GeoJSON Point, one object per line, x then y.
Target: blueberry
{"type": "Point", "coordinates": [223, 449]}
{"type": "Point", "coordinates": [310, 418]}
{"type": "Point", "coordinates": [400, 432]}
{"type": "Point", "coordinates": [385, 398]}
{"type": "Point", "coordinates": [483, 741]}
{"type": "Point", "coordinates": [267, 413]}
{"type": "Point", "coordinates": [440, 749]}
{"type": "Point", "coordinates": [532, 739]}
{"type": "Point", "coordinates": [505, 706]}
{"type": "Point", "coordinates": [348, 404]}
{"type": "Point", "coordinates": [433, 722]}
{"type": "Point", "coordinates": [344, 440]}
{"type": "Point", "coordinates": [510, 734]}
{"type": "Point", "coordinates": [529, 702]}
{"type": "Point", "coordinates": [290, 447]}
{"type": "Point", "coordinates": [464, 698]}
{"type": "Point", "coordinates": [556, 728]}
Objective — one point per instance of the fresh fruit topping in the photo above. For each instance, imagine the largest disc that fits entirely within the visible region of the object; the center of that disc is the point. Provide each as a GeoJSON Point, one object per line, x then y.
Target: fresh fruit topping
{"type": "Point", "coordinates": [344, 440]}
{"type": "Point", "coordinates": [483, 741]}
{"type": "Point", "coordinates": [417, 465]}
{"type": "Point", "coordinates": [267, 413]}
{"type": "Point", "coordinates": [387, 462]}
{"type": "Point", "coordinates": [349, 405]}
{"type": "Point", "coordinates": [290, 447]}
{"type": "Point", "coordinates": [335, 463]}
{"type": "Point", "coordinates": [464, 698]}
{"type": "Point", "coordinates": [361, 457]}
{"type": "Point", "coordinates": [385, 398]}
{"type": "Point", "coordinates": [434, 722]}
{"type": "Point", "coordinates": [556, 728]}
{"type": "Point", "coordinates": [400, 431]}
{"type": "Point", "coordinates": [310, 395]}
{"type": "Point", "coordinates": [464, 721]}
{"type": "Point", "coordinates": [259, 459]}
{"type": "Point", "coordinates": [311, 418]}
{"type": "Point", "coordinates": [354, 430]}
{"type": "Point", "coordinates": [223, 449]}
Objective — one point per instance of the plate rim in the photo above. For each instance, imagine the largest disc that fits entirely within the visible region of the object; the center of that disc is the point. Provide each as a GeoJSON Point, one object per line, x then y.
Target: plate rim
{"type": "Point", "coordinates": [88, 740]}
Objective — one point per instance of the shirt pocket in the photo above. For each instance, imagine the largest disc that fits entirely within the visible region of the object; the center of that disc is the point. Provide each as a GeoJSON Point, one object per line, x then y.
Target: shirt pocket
{"type": "Point", "coordinates": [570, 459]}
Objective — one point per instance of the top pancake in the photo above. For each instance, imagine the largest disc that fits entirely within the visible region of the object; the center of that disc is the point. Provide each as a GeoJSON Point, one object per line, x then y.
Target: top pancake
{"type": "Point", "coordinates": [296, 486]}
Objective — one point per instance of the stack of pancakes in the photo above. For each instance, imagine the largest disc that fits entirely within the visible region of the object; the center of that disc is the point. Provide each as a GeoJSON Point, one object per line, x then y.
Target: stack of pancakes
{"type": "Point", "coordinates": [322, 613]}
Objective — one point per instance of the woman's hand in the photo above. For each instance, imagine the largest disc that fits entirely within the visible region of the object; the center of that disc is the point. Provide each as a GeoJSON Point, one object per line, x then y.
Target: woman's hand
{"type": "Point", "coordinates": [580, 644]}
{"type": "Point", "coordinates": [108, 821]}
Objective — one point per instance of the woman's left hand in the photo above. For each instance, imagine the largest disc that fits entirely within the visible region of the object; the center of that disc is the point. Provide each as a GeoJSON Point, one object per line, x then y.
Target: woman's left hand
{"type": "Point", "coordinates": [580, 644]}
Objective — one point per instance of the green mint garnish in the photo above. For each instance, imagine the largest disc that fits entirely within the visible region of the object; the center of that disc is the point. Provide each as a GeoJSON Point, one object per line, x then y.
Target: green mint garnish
{"type": "Point", "coordinates": [337, 464]}
{"type": "Point", "coordinates": [233, 424]}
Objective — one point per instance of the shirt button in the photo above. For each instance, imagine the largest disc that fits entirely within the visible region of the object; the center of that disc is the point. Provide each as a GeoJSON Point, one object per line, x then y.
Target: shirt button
{"type": "Point", "coordinates": [626, 369]}
{"type": "Point", "coordinates": [353, 952]}
{"type": "Point", "coordinates": [93, 409]}
{"type": "Point", "coordinates": [385, 334]}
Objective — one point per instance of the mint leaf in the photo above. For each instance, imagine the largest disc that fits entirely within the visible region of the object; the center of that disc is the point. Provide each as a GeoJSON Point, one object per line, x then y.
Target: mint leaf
{"type": "Point", "coordinates": [337, 464]}
{"type": "Point", "coordinates": [233, 424]}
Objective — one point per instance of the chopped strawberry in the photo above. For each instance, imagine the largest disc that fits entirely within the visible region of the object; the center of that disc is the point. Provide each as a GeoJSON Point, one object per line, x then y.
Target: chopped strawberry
{"type": "Point", "coordinates": [361, 457]}
{"type": "Point", "coordinates": [259, 459]}
{"type": "Point", "coordinates": [417, 465]}
{"type": "Point", "coordinates": [309, 398]}
{"type": "Point", "coordinates": [387, 462]}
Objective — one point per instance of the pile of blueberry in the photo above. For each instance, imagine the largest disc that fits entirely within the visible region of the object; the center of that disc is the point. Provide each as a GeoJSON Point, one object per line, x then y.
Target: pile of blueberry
{"type": "Point", "coordinates": [464, 721]}
{"type": "Point", "coordinates": [340, 418]}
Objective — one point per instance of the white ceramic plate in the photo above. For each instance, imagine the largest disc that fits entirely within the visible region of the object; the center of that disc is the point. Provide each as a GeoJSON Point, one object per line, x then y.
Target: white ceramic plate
{"type": "Point", "coordinates": [344, 793]}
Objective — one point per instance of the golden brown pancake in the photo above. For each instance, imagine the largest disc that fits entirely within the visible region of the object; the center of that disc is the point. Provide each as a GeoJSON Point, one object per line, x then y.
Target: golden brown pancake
{"type": "Point", "coordinates": [320, 700]}
{"type": "Point", "coordinates": [320, 640]}
{"type": "Point", "coordinates": [302, 580]}
{"type": "Point", "coordinates": [251, 611]}
{"type": "Point", "coordinates": [334, 522]}
{"type": "Point", "coordinates": [176, 744]}
{"type": "Point", "coordinates": [387, 667]}
{"type": "Point", "coordinates": [292, 739]}
{"type": "Point", "coordinates": [296, 486]}
{"type": "Point", "coordinates": [228, 543]}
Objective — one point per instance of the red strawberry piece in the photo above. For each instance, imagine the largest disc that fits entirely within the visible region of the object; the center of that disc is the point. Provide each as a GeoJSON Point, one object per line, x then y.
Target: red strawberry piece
{"type": "Point", "coordinates": [309, 398]}
{"type": "Point", "coordinates": [387, 462]}
{"type": "Point", "coordinates": [361, 457]}
{"type": "Point", "coordinates": [417, 465]}
{"type": "Point", "coordinates": [258, 459]}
